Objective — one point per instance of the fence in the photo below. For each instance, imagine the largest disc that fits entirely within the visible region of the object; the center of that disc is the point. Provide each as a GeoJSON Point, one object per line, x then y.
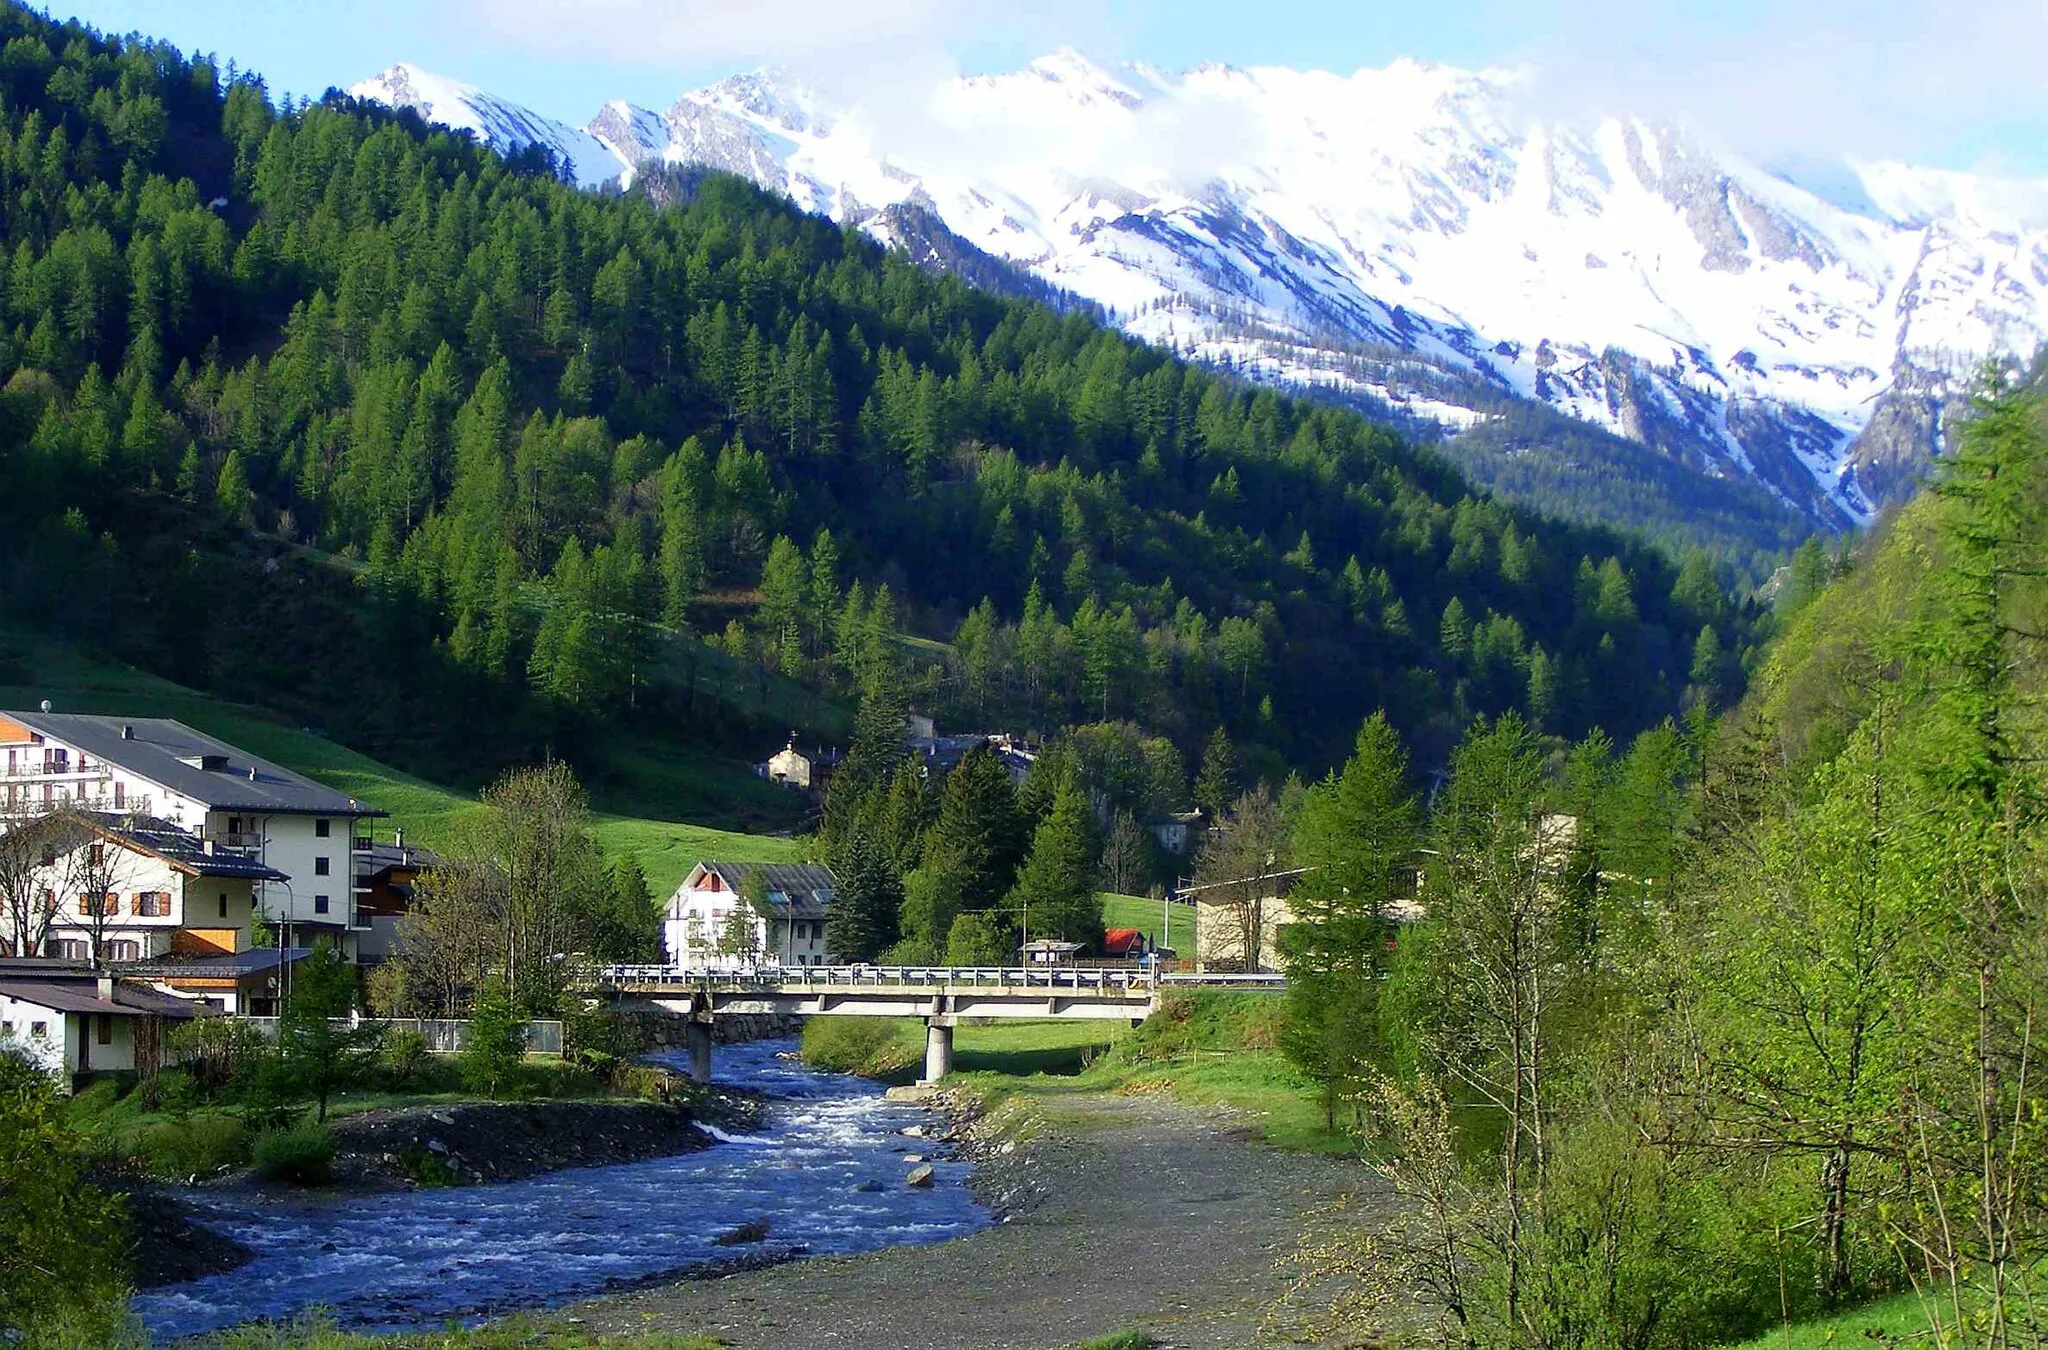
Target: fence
{"type": "Point", "coordinates": [445, 1036]}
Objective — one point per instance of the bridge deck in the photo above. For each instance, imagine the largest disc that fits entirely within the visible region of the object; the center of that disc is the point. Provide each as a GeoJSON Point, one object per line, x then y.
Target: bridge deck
{"type": "Point", "coordinates": [909, 991]}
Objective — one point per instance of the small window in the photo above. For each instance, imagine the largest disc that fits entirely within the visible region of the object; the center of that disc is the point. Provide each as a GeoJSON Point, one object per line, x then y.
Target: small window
{"type": "Point", "coordinates": [39, 1030]}
{"type": "Point", "coordinates": [104, 1033]}
{"type": "Point", "coordinates": [223, 904]}
{"type": "Point", "coordinates": [6, 1029]}
{"type": "Point", "coordinates": [319, 904]}
{"type": "Point", "coordinates": [319, 829]}
{"type": "Point", "coordinates": [96, 854]}
{"type": "Point", "coordinates": [319, 867]}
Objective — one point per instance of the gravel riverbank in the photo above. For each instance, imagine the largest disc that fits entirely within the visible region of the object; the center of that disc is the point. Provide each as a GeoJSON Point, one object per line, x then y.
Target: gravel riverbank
{"type": "Point", "coordinates": [1117, 1211]}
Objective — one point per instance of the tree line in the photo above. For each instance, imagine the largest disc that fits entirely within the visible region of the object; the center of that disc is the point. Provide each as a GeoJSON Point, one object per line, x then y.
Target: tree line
{"type": "Point", "coordinates": [1668, 1047]}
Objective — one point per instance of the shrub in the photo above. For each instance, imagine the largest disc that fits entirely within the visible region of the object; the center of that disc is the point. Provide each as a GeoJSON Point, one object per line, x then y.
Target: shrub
{"type": "Point", "coordinates": [405, 1054]}
{"type": "Point", "coordinates": [303, 1155]}
{"type": "Point", "coordinates": [497, 1043]}
{"type": "Point", "coordinates": [202, 1142]}
{"type": "Point", "coordinates": [218, 1052]}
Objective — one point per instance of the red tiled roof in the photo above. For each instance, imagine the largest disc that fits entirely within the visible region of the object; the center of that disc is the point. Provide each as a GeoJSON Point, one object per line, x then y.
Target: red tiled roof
{"type": "Point", "coordinates": [1117, 941]}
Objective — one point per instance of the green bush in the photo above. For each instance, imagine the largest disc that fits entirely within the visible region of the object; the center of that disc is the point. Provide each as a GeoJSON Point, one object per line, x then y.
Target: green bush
{"type": "Point", "coordinates": [202, 1142]}
{"type": "Point", "coordinates": [405, 1054]}
{"type": "Point", "coordinates": [874, 1047]}
{"type": "Point", "coordinates": [217, 1052]}
{"type": "Point", "coordinates": [496, 1044]}
{"type": "Point", "coordinates": [303, 1155]}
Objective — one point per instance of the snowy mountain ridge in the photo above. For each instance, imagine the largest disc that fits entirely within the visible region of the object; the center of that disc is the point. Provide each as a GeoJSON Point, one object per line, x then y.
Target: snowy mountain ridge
{"type": "Point", "coordinates": [1408, 238]}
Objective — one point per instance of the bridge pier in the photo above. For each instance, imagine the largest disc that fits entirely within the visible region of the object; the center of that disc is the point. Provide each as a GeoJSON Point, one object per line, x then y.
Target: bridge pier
{"type": "Point", "coordinates": [938, 1048]}
{"type": "Point", "coordinates": [698, 1039]}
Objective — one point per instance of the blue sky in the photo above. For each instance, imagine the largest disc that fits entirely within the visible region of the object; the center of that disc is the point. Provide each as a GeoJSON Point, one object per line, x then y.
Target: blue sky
{"type": "Point", "coordinates": [1954, 86]}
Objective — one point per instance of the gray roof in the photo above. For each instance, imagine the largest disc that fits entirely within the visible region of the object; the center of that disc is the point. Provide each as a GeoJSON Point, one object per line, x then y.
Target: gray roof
{"type": "Point", "coordinates": [227, 965]}
{"type": "Point", "coordinates": [180, 848]}
{"type": "Point", "coordinates": [805, 888]}
{"type": "Point", "coordinates": [157, 749]}
{"type": "Point", "coordinates": [83, 997]}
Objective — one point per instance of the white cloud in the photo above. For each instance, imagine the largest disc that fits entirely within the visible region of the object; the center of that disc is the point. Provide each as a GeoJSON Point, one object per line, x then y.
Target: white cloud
{"type": "Point", "coordinates": [1877, 78]}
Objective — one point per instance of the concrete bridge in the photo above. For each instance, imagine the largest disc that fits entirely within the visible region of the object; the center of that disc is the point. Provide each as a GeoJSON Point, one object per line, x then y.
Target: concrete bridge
{"type": "Point", "coordinates": [941, 995]}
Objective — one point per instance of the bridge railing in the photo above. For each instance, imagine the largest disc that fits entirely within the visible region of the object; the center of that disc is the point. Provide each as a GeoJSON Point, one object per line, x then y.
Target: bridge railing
{"type": "Point", "coordinates": [1052, 979]}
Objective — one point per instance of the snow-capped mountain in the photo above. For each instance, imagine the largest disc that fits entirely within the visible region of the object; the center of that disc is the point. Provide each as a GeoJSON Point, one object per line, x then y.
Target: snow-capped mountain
{"type": "Point", "coordinates": [1408, 237]}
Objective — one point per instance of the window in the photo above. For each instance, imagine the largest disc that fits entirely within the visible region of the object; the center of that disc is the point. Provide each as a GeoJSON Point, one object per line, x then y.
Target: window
{"type": "Point", "coordinates": [319, 904]}
{"type": "Point", "coordinates": [234, 824]}
{"type": "Point", "coordinates": [153, 904]}
{"type": "Point", "coordinates": [319, 829]}
{"type": "Point", "coordinates": [104, 1032]}
{"type": "Point", "coordinates": [39, 1030]}
{"type": "Point", "coordinates": [120, 794]}
{"type": "Point", "coordinates": [124, 950]}
{"type": "Point", "coordinates": [96, 855]}
{"type": "Point", "coordinates": [319, 867]}
{"type": "Point", "coordinates": [223, 904]}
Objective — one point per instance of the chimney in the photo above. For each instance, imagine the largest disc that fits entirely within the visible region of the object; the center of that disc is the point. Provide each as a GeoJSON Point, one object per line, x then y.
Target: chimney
{"type": "Point", "coordinates": [209, 847]}
{"type": "Point", "coordinates": [106, 987]}
{"type": "Point", "coordinates": [127, 731]}
{"type": "Point", "coordinates": [398, 836]}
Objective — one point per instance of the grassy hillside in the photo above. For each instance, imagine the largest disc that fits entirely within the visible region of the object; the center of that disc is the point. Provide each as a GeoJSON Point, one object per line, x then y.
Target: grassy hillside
{"type": "Point", "coordinates": [33, 668]}
{"type": "Point", "coordinates": [1153, 918]}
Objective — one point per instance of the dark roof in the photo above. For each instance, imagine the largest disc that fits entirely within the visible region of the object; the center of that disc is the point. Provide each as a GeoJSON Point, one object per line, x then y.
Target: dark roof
{"type": "Point", "coordinates": [180, 848]}
{"type": "Point", "coordinates": [81, 997]}
{"type": "Point", "coordinates": [805, 888]}
{"type": "Point", "coordinates": [41, 968]}
{"type": "Point", "coordinates": [158, 751]}
{"type": "Point", "coordinates": [228, 965]}
{"type": "Point", "coordinates": [380, 858]}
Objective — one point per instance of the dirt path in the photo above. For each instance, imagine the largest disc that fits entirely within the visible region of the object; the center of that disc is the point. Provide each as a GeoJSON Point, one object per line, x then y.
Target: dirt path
{"type": "Point", "coordinates": [1149, 1214]}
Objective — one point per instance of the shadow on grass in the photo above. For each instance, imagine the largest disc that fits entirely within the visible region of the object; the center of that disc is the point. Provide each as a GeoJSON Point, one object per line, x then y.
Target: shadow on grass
{"type": "Point", "coordinates": [1066, 1061]}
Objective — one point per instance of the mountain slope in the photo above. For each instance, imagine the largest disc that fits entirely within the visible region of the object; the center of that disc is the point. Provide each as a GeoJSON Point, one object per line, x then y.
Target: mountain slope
{"type": "Point", "coordinates": [427, 448]}
{"type": "Point", "coordinates": [1409, 237]}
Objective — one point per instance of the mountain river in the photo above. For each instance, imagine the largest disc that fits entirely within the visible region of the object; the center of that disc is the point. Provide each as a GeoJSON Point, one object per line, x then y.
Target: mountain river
{"type": "Point", "coordinates": [826, 1172]}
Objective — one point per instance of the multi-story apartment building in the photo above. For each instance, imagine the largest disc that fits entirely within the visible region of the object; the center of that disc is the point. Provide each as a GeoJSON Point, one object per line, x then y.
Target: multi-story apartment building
{"type": "Point", "coordinates": [303, 834]}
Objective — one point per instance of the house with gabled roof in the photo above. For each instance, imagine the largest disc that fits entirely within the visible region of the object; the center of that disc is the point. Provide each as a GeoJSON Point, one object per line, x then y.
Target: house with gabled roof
{"type": "Point", "coordinates": [711, 924]}
{"type": "Point", "coordinates": [110, 889]}
{"type": "Point", "coordinates": [74, 1023]}
{"type": "Point", "coordinates": [302, 831]}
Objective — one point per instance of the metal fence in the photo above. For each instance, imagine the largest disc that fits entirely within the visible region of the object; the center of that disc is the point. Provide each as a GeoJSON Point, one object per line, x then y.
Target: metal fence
{"type": "Point", "coordinates": [445, 1036]}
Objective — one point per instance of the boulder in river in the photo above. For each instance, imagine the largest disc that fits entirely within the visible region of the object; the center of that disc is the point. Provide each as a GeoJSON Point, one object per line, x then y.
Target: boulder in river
{"type": "Point", "coordinates": [920, 1177]}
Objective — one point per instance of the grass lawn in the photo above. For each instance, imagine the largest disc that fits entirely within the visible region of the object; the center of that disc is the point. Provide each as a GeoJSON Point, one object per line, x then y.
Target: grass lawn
{"type": "Point", "coordinates": [1153, 918]}
{"type": "Point", "coordinates": [1206, 1049]}
{"type": "Point", "coordinates": [429, 813]}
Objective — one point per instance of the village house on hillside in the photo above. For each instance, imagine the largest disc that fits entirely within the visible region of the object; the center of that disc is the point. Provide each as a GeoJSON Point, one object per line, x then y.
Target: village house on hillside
{"type": "Point", "coordinates": [807, 771]}
{"type": "Point", "coordinates": [711, 925]}
{"type": "Point", "coordinates": [226, 799]}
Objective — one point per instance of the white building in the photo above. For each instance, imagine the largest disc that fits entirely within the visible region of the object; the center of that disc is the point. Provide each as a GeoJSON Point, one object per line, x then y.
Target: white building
{"type": "Point", "coordinates": [230, 800]}
{"type": "Point", "coordinates": [710, 925]}
{"type": "Point", "coordinates": [117, 889]}
{"type": "Point", "coordinates": [70, 1024]}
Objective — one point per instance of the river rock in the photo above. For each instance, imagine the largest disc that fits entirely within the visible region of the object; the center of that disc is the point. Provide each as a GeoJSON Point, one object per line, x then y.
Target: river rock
{"type": "Point", "coordinates": [913, 1157]}
{"type": "Point", "coordinates": [920, 1177]}
{"type": "Point", "coordinates": [869, 1187]}
{"type": "Point", "coordinates": [914, 1131]}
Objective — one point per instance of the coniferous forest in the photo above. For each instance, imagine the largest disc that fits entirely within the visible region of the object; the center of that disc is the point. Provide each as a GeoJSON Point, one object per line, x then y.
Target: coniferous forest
{"type": "Point", "coordinates": [318, 407]}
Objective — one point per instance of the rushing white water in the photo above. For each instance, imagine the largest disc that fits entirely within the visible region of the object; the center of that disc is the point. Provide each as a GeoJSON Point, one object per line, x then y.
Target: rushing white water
{"type": "Point", "coordinates": [826, 1172]}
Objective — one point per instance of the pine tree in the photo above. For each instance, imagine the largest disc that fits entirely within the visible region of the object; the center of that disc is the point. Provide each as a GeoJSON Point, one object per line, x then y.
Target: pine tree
{"type": "Point", "coordinates": [1219, 783]}
{"type": "Point", "coordinates": [1055, 893]}
{"type": "Point", "coordinates": [864, 915]}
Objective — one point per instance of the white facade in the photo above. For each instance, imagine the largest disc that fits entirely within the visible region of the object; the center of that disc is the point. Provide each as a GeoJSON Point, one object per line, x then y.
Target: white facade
{"type": "Point", "coordinates": [152, 907]}
{"type": "Point", "coordinates": [224, 796]}
{"type": "Point", "coordinates": [710, 926]}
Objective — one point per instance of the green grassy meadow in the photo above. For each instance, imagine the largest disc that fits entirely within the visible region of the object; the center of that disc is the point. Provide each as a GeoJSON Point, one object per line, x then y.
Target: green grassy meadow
{"type": "Point", "coordinates": [1153, 918]}
{"type": "Point", "coordinates": [37, 668]}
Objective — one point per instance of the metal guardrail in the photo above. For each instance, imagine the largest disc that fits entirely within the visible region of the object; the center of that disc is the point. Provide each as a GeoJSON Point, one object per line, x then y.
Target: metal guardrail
{"type": "Point", "coordinates": [1071, 979]}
